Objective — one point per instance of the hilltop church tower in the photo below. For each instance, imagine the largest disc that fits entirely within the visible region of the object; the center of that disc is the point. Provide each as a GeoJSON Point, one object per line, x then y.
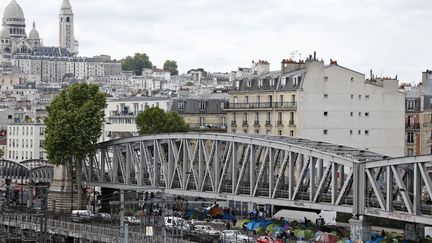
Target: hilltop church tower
{"type": "Point", "coordinates": [67, 37]}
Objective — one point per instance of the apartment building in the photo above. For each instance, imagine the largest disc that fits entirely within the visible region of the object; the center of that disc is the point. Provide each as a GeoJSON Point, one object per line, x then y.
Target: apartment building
{"type": "Point", "coordinates": [25, 141]}
{"type": "Point", "coordinates": [418, 117]}
{"type": "Point", "coordinates": [311, 100]}
{"type": "Point", "coordinates": [120, 114]}
{"type": "Point", "coordinates": [203, 112]}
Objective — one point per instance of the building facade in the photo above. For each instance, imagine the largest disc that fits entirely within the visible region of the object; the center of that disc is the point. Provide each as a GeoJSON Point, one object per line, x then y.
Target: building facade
{"type": "Point", "coordinates": [204, 112]}
{"type": "Point", "coordinates": [25, 141]}
{"type": "Point", "coordinates": [418, 117]}
{"type": "Point", "coordinates": [320, 102]}
{"type": "Point", "coordinates": [120, 114]}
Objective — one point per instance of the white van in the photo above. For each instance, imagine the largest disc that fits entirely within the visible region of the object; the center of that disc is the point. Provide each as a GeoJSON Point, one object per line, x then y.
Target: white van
{"type": "Point", "coordinates": [81, 215]}
{"type": "Point", "coordinates": [176, 222]}
{"type": "Point", "coordinates": [328, 216]}
{"type": "Point", "coordinates": [206, 229]}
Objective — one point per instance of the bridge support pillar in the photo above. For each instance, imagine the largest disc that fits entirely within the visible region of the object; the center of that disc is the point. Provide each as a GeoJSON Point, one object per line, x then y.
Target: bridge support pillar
{"type": "Point", "coordinates": [360, 229]}
{"type": "Point", "coordinates": [414, 232]}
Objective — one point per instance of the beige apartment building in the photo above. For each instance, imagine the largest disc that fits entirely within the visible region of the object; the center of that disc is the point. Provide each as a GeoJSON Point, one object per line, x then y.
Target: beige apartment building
{"type": "Point", "coordinates": [418, 117]}
{"type": "Point", "coordinates": [311, 100]}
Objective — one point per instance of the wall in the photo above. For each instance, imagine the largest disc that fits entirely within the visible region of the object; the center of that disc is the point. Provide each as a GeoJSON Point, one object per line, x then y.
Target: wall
{"type": "Point", "coordinates": [347, 92]}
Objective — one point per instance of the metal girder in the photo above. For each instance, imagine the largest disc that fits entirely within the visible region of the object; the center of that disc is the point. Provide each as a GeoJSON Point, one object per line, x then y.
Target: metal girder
{"type": "Point", "coordinates": [403, 189]}
{"type": "Point", "coordinates": [377, 192]}
{"type": "Point", "coordinates": [261, 170]}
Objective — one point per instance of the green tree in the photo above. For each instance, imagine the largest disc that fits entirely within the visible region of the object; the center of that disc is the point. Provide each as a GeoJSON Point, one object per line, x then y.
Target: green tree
{"type": "Point", "coordinates": [136, 63]}
{"type": "Point", "coordinates": [73, 127]}
{"type": "Point", "coordinates": [155, 120]}
{"type": "Point", "coordinates": [171, 66]}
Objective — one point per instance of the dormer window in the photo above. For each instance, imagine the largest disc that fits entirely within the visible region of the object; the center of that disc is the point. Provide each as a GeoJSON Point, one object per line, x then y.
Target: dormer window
{"type": "Point", "coordinates": [325, 78]}
{"type": "Point", "coordinates": [260, 83]}
{"type": "Point", "coordinates": [180, 105]}
{"type": "Point", "coordinates": [249, 83]}
{"type": "Point", "coordinates": [296, 80]}
{"type": "Point", "coordinates": [272, 81]}
{"type": "Point", "coordinates": [203, 105]}
{"type": "Point", "coordinates": [283, 81]}
{"type": "Point", "coordinates": [222, 105]}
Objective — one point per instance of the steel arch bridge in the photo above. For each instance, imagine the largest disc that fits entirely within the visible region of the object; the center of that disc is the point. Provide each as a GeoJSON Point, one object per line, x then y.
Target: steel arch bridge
{"type": "Point", "coordinates": [268, 170]}
{"type": "Point", "coordinates": [29, 170]}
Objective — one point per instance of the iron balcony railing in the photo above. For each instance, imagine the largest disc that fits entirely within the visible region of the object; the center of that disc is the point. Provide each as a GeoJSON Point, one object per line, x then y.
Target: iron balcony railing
{"type": "Point", "coordinates": [412, 125]}
{"type": "Point", "coordinates": [207, 126]}
{"type": "Point", "coordinates": [122, 114]}
{"type": "Point", "coordinates": [263, 105]}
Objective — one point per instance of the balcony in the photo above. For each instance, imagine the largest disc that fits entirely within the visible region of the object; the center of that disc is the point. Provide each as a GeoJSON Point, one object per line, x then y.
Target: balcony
{"type": "Point", "coordinates": [233, 123]}
{"type": "Point", "coordinates": [263, 106]}
{"type": "Point", "coordinates": [279, 124]}
{"type": "Point", "coordinates": [208, 127]}
{"type": "Point", "coordinates": [256, 124]}
{"type": "Point", "coordinates": [268, 124]}
{"type": "Point", "coordinates": [412, 126]}
{"type": "Point", "coordinates": [291, 124]}
{"type": "Point", "coordinates": [245, 124]}
{"type": "Point", "coordinates": [117, 114]}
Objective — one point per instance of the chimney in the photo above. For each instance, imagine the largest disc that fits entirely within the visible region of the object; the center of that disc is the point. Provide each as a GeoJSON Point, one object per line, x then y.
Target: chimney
{"type": "Point", "coordinates": [371, 75]}
{"type": "Point", "coordinates": [314, 56]}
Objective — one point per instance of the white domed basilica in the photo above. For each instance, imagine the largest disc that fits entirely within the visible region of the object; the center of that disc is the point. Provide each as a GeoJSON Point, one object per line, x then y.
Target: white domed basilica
{"type": "Point", "coordinates": [15, 42]}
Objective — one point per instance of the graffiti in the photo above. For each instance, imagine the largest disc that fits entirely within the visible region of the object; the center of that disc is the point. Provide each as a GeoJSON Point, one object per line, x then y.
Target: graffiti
{"type": "Point", "coordinates": [400, 216]}
{"type": "Point", "coordinates": [299, 204]}
{"type": "Point", "coordinates": [375, 212]}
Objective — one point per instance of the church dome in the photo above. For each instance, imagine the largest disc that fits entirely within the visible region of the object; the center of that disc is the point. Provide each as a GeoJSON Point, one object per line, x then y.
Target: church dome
{"type": "Point", "coordinates": [34, 34]}
{"type": "Point", "coordinates": [4, 33]}
{"type": "Point", "coordinates": [13, 11]}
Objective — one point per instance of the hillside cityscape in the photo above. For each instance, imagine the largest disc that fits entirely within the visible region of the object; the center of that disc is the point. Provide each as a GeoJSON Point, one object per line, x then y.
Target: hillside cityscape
{"type": "Point", "coordinates": [302, 150]}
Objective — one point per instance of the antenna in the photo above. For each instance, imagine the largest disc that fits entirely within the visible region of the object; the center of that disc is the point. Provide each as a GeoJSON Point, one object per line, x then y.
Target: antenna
{"type": "Point", "coordinates": [295, 54]}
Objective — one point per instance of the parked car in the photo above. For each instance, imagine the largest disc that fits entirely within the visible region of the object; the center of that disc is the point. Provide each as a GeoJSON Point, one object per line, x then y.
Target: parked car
{"type": "Point", "coordinates": [206, 229]}
{"type": "Point", "coordinates": [132, 220]}
{"type": "Point", "coordinates": [235, 236]}
{"type": "Point", "coordinates": [267, 239]}
{"type": "Point", "coordinates": [103, 217]}
{"type": "Point", "coordinates": [81, 215]}
{"type": "Point", "coordinates": [176, 222]}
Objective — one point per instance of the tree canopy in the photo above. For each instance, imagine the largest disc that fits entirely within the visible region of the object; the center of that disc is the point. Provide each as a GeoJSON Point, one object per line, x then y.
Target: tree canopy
{"type": "Point", "coordinates": [73, 127]}
{"type": "Point", "coordinates": [136, 63]}
{"type": "Point", "coordinates": [155, 120]}
{"type": "Point", "coordinates": [74, 123]}
{"type": "Point", "coordinates": [171, 66]}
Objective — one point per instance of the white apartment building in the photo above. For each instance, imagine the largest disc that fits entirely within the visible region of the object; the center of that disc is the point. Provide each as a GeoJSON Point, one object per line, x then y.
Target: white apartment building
{"type": "Point", "coordinates": [120, 114]}
{"type": "Point", "coordinates": [25, 141]}
{"type": "Point", "coordinates": [320, 102]}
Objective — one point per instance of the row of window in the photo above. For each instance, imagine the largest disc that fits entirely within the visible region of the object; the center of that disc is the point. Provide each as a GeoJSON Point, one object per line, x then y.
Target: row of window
{"type": "Point", "coordinates": [267, 118]}
{"type": "Point", "coordinates": [279, 132]}
{"type": "Point", "coordinates": [359, 132]}
{"type": "Point", "coordinates": [269, 99]}
{"type": "Point", "coordinates": [24, 130]}
{"type": "Point", "coordinates": [202, 105]}
{"type": "Point", "coordinates": [24, 155]}
{"type": "Point", "coordinates": [25, 143]}
{"type": "Point", "coordinates": [366, 114]}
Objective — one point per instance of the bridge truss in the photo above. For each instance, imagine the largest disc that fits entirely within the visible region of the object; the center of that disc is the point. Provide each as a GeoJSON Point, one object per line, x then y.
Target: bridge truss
{"type": "Point", "coordinates": [29, 170]}
{"type": "Point", "coordinates": [268, 170]}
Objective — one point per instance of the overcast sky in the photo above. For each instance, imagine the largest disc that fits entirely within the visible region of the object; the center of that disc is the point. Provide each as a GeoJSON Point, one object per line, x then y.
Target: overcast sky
{"type": "Point", "coordinates": [392, 37]}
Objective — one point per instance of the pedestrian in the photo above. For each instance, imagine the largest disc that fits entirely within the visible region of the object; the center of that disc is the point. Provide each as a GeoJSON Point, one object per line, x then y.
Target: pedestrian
{"type": "Point", "coordinates": [228, 225]}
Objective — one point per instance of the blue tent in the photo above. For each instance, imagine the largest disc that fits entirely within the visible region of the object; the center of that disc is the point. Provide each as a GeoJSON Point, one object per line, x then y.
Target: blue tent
{"type": "Point", "coordinates": [253, 225]}
{"type": "Point", "coordinates": [228, 217]}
